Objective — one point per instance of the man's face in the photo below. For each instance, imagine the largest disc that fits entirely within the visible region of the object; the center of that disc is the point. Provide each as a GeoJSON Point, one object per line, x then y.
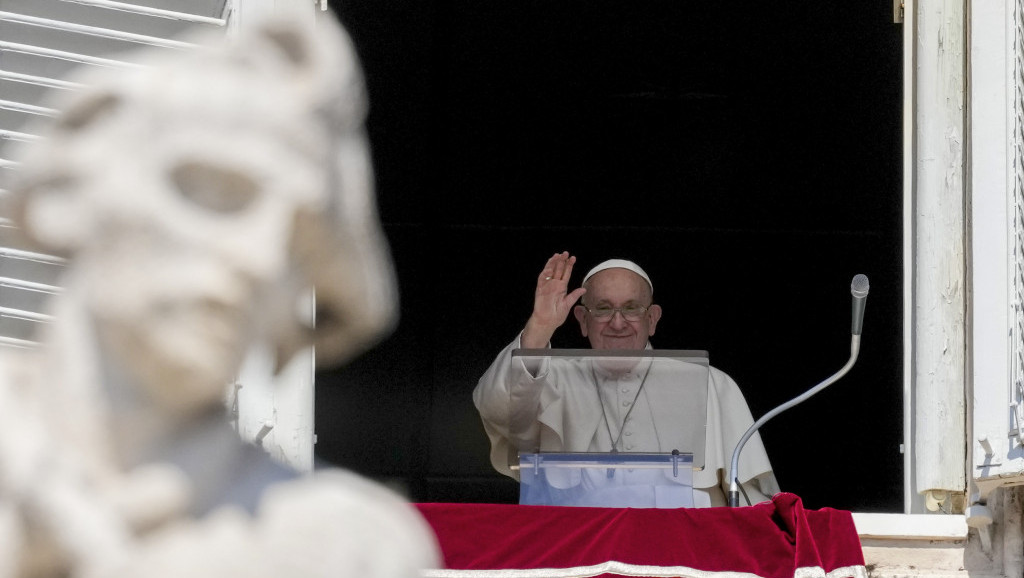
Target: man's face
{"type": "Point", "coordinates": [617, 288]}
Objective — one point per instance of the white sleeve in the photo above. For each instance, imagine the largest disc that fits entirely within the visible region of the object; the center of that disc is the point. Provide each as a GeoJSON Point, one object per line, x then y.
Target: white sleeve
{"type": "Point", "coordinates": [728, 419]}
{"type": "Point", "coordinates": [508, 399]}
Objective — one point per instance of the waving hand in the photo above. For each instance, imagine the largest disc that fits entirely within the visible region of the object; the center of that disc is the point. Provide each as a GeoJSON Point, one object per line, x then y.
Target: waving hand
{"type": "Point", "coordinates": [552, 301]}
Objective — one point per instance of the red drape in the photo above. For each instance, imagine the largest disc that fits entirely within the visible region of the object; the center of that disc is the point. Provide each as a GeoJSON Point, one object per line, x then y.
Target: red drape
{"type": "Point", "coordinates": [777, 539]}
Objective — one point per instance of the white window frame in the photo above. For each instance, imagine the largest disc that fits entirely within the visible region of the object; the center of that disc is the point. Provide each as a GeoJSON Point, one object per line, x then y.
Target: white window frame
{"type": "Point", "coordinates": [959, 126]}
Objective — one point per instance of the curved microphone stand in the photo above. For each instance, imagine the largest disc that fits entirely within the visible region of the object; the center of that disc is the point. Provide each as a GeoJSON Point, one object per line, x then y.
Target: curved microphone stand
{"type": "Point", "coordinates": [859, 290]}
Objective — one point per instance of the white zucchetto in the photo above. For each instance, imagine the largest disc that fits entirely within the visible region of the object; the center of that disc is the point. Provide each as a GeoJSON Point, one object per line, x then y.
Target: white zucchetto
{"type": "Point", "coordinates": [619, 264]}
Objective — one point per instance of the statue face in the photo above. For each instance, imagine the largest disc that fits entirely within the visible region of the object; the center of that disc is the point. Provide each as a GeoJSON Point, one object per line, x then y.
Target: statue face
{"type": "Point", "coordinates": [200, 198]}
{"type": "Point", "coordinates": [189, 256]}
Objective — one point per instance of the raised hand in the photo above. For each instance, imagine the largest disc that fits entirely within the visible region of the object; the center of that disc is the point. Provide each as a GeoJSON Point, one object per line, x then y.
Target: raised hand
{"type": "Point", "coordinates": [552, 301]}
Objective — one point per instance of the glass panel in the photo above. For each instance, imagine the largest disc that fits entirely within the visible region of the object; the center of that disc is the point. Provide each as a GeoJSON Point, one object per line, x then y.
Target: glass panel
{"type": "Point", "coordinates": [624, 402]}
{"type": "Point", "coordinates": [609, 480]}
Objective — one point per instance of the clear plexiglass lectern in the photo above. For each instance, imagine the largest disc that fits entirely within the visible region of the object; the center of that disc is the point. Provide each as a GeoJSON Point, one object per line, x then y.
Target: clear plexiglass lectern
{"type": "Point", "coordinates": [611, 428]}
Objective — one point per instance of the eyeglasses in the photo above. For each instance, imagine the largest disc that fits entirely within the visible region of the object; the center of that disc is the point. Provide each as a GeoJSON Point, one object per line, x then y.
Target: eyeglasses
{"type": "Point", "coordinates": [629, 312]}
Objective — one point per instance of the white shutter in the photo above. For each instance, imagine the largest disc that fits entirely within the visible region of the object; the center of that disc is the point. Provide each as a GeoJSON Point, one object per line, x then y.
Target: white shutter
{"type": "Point", "coordinates": [997, 239]}
{"type": "Point", "coordinates": [1015, 124]}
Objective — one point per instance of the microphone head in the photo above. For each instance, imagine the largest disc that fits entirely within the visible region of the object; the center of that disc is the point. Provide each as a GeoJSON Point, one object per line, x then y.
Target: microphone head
{"type": "Point", "coordinates": [859, 287]}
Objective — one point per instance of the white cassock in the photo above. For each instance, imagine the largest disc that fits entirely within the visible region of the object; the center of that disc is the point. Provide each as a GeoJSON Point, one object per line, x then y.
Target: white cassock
{"type": "Point", "coordinates": [577, 408]}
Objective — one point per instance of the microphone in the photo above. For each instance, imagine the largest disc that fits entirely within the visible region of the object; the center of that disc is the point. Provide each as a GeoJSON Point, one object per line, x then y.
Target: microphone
{"type": "Point", "coordinates": [859, 290]}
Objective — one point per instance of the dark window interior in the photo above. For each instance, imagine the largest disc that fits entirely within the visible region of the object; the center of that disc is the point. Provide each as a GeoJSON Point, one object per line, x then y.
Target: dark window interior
{"type": "Point", "coordinates": [748, 155]}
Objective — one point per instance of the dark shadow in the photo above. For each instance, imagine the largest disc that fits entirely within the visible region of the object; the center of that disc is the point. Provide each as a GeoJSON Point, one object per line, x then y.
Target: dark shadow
{"type": "Point", "coordinates": [748, 157]}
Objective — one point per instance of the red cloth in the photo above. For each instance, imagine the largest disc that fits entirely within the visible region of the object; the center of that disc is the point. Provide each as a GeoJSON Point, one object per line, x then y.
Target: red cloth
{"type": "Point", "coordinates": [777, 539]}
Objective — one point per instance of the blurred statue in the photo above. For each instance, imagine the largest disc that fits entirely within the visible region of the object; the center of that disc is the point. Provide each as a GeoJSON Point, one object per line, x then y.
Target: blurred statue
{"type": "Point", "coordinates": [197, 199]}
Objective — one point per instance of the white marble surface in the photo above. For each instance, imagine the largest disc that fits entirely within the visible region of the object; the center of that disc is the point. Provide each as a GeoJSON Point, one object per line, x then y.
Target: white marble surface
{"type": "Point", "coordinates": [196, 200]}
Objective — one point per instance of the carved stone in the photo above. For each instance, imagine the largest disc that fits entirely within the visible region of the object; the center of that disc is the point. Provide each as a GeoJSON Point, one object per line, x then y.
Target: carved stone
{"type": "Point", "coordinates": [196, 199]}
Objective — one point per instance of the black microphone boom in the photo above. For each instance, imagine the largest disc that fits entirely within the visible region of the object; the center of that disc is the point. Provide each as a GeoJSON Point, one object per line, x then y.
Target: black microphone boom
{"type": "Point", "coordinates": [859, 290]}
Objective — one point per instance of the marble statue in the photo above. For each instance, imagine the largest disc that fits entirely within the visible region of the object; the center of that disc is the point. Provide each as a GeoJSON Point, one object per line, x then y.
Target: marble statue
{"type": "Point", "coordinates": [196, 199]}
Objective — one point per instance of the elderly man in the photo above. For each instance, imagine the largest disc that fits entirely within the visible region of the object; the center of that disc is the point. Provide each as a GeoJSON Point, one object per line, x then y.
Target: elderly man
{"type": "Point", "coordinates": [616, 312]}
